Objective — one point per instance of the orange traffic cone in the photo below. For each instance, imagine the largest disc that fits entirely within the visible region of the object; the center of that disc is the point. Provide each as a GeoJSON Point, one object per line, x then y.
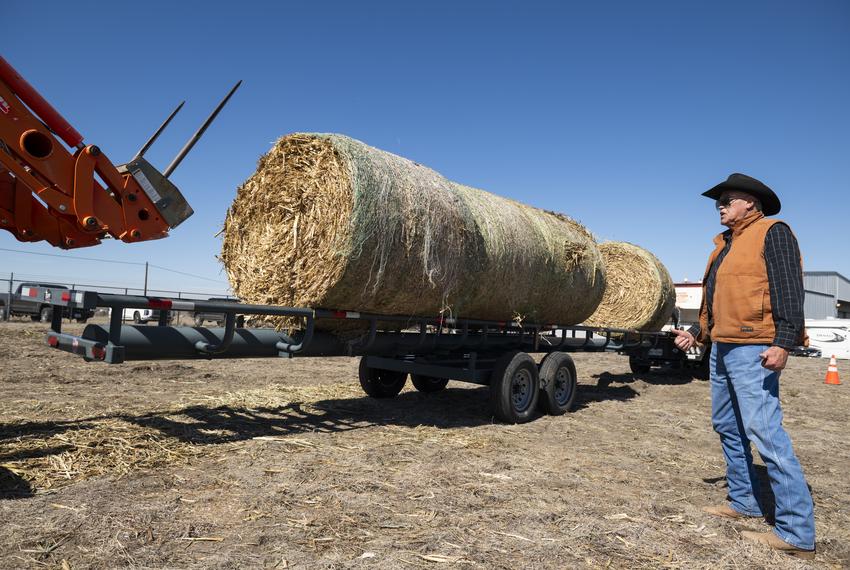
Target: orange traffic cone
{"type": "Point", "coordinates": [832, 372]}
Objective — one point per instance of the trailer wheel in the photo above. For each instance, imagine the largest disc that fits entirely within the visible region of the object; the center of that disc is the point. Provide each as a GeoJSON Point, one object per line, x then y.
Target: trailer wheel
{"type": "Point", "coordinates": [514, 388]}
{"type": "Point", "coordinates": [428, 384]}
{"type": "Point", "coordinates": [240, 322]}
{"type": "Point", "coordinates": [35, 318]}
{"type": "Point", "coordinates": [137, 317]}
{"type": "Point", "coordinates": [558, 383]}
{"type": "Point", "coordinates": [638, 366]}
{"type": "Point", "coordinates": [46, 314]}
{"type": "Point", "coordinates": [379, 383]}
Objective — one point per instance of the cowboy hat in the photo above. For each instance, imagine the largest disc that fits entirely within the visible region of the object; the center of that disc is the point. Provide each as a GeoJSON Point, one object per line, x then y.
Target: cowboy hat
{"type": "Point", "coordinates": [741, 182]}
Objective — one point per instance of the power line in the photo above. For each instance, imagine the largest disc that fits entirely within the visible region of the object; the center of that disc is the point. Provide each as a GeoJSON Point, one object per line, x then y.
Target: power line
{"type": "Point", "coordinates": [136, 263]}
{"type": "Point", "coordinates": [71, 256]}
{"type": "Point", "coordinates": [187, 274]}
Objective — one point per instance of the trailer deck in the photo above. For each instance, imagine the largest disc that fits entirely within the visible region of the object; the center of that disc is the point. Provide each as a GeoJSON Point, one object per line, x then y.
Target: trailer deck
{"type": "Point", "coordinates": [431, 350]}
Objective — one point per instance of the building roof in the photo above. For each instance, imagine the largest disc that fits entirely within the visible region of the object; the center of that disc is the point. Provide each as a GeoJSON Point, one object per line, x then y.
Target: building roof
{"type": "Point", "coordinates": [826, 273]}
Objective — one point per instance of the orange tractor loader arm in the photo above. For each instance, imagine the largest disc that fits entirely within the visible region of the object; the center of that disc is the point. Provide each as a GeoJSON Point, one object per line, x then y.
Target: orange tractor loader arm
{"type": "Point", "coordinates": [74, 196]}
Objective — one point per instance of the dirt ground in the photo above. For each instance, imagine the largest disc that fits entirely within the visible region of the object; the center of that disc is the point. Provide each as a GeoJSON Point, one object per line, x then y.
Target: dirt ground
{"type": "Point", "coordinates": [286, 464]}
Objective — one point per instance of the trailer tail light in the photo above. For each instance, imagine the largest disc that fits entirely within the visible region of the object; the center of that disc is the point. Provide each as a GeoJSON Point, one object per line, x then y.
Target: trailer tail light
{"type": "Point", "coordinates": [66, 296]}
{"type": "Point", "coordinates": [98, 352]}
{"type": "Point", "coordinates": [346, 315]}
{"type": "Point", "coordinates": [161, 304]}
{"type": "Point", "coordinates": [53, 341]}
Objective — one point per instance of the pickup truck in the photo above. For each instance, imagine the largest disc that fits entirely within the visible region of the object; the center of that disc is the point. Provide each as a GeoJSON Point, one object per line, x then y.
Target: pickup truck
{"type": "Point", "coordinates": [201, 316]}
{"type": "Point", "coordinates": [142, 316]}
{"type": "Point", "coordinates": [21, 304]}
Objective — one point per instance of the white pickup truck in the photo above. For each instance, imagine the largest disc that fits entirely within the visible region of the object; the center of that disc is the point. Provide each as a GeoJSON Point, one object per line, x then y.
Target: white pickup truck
{"type": "Point", "coordinates": [140, 316]}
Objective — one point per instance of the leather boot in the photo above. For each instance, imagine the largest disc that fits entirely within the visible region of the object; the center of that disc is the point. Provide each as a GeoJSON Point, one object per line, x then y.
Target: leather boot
{"type": "Point", "coordinates": [726, 512]}
{"type": "Point", "coordinates": [777, 543]}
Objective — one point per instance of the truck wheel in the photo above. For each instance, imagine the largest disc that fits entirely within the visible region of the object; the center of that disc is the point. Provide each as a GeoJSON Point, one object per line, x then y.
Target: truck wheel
{"type": "Point", "coordinates": [558, 383]}
{"type": "Point", "coordinates": [428, 384]}
{"type": "Point", "coordinates": [381, 383]}
{"type": "Point", "coordinates": [514, 388]}
{"type": "Point", "coordinates": [35, 318]}
{"type": "Point", "coordinates": [638, 366]}
{"type": "Point", "coordinates": [240, 322]}
{"type": "Point", "coordinates": [46, 314]}
{"type": "Point", "coordinates": [137, 318]}
{"type": "Point", "coordinates": [199, 321]}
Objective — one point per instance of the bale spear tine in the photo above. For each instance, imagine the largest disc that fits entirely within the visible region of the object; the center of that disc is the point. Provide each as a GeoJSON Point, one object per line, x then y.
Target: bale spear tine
{"type": "Point", "coordinates": [185, 150]}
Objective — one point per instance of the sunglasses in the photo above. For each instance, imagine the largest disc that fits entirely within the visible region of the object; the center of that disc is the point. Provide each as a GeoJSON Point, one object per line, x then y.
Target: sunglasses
{"type": "Point", "coordinates": [725, 202]}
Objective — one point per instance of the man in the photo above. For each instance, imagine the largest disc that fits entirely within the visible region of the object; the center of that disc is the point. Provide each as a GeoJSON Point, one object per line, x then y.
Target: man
{"type": "Point", "coordinates": [752, 311]}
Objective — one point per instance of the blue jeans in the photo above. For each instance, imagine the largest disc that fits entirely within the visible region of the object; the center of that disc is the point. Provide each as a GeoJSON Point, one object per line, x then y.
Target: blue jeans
{"type": "Point", "coordinates": [745, 408]}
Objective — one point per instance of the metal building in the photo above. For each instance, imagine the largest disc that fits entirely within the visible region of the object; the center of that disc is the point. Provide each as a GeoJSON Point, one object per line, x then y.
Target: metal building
{"type": "Point", "coordinates": [827, 295]}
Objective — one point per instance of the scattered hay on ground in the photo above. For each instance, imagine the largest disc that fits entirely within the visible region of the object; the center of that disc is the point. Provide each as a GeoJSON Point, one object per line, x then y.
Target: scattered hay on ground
{"type": "Point", "coordinates": [53, 454]}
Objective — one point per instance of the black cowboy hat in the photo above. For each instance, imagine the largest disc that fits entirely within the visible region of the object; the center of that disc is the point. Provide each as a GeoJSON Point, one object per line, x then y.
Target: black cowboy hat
{"type": "Point", "coordinates": [769, 200]}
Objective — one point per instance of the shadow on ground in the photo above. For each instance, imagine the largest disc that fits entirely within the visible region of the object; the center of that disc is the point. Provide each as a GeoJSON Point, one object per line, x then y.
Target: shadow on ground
{"type": "Point", "coordinates": [210, 425]}
{"type": "Point", "coordinates": [450, 408]}
{"type": "Point", "coordinates": [13, 486]}
{"type": "Point", "coordinates": [766, 499]}
{"type": "Point", "coordinates": [657, 376]}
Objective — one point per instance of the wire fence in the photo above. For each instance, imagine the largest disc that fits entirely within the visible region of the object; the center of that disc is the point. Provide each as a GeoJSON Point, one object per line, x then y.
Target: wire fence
{"type": "Point", "coordinates": [10, 284]}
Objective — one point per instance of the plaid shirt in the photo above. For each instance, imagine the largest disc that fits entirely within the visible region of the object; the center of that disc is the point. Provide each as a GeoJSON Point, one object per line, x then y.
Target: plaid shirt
{"type": "Point", "coordinates": [785, 281]}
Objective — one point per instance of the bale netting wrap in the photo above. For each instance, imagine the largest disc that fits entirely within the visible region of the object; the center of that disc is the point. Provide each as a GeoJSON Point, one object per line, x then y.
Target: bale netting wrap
{"type": "Point", "coordinates": [639, 293]}
{"type": "Point", "coordinates": [329, 222]}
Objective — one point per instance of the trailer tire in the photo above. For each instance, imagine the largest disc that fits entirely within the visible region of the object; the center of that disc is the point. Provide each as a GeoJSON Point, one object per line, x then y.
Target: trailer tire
{"type": "Point", "coordinates": [557, 383]}
{"type": "Point", "coordinates": [35, 318]}
{"type": "Point", "coordinates": [514, 388]}
{"type": "Point", "coordinates": [240, 322]}
{"type": "Point", "coordinates": [379, 383]}
{"type": "Point", "coordinates": [428, 384]}
{"type": "Point", "coordinates": [638, 366]}
{"type": "Point", "coordinates": [46, 314]}
{"type": "Point", "coordinates": [137, 317]}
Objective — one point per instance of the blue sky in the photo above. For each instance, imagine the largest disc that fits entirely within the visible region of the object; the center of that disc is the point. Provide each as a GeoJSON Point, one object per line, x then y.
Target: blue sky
{"type": "Point", "coordinates": [618, 114]}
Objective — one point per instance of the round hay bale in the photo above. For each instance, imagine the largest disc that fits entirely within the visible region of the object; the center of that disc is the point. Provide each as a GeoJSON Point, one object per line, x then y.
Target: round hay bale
{"type": "Point", "coordinates": [329, 222]}
{"type": "Point", "coordinates": [639, 293]}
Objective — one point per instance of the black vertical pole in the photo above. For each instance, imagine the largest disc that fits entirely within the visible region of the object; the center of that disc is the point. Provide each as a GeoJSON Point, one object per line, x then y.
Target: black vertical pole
{"type": "Point", "coordinates": [146, 278]}
{"type": "Point", "coordinates": [9, 307]}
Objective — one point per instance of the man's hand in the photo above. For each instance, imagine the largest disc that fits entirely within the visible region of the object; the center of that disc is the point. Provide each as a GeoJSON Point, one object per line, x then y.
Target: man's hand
{"type": "Point", "coordinates": [684, 340]}
{"type": "Point", "coordinates": [774, 358]}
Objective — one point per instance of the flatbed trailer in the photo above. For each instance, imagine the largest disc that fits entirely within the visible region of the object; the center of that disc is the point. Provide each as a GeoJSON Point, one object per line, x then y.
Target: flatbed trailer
{"type": "Point", "coordinates": [431, 351]}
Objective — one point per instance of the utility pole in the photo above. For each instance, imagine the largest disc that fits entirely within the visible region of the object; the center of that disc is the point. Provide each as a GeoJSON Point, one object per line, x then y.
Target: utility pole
{"type": "Point", "coordinates": [146, 278]}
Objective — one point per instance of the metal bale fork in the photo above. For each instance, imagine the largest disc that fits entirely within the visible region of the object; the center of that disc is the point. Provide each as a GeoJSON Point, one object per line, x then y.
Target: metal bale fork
{"type": "Point", "coordinates": [431, 351]}
{"type": "Point", "coordinates": [71, 195]}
